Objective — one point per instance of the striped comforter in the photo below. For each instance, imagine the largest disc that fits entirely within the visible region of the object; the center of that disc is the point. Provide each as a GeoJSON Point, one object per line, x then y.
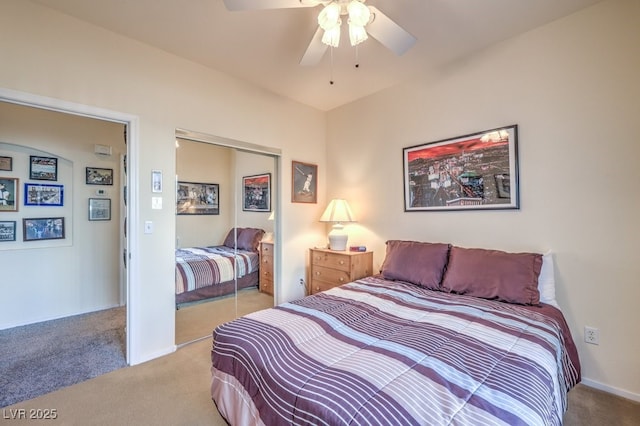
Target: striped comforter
{"type": "Point", "coordinates": [389, 353]}
{"type": "Point", "coordinates": [198, 267]}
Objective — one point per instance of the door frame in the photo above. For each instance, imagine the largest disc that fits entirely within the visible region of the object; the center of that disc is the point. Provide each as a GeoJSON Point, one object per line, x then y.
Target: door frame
{"type": "Point", "coordinates": [132, 126]}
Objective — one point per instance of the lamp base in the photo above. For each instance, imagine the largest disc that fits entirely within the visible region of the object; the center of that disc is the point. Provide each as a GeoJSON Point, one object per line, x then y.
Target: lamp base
{"type": "Point", "coordinates": [338, 238]}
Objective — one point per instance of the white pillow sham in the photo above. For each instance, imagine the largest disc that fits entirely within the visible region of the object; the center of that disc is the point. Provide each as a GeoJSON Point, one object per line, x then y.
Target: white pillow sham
{"type": "Point", "coordinates": [547, 282]}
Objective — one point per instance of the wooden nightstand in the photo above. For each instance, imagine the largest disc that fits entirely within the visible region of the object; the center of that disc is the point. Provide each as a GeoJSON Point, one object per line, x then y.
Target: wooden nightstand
{"type": "Point", "coordinates": [266, 267]}
{"type": "Point", "coordinates": [333, 268]}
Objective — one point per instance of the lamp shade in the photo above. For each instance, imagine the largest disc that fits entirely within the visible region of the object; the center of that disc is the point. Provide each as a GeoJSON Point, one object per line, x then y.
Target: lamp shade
{"type": "Point", "coordinates": [338, 212]}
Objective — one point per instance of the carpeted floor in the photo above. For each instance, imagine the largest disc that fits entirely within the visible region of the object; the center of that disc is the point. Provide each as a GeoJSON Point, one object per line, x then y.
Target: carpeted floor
{"type": "Point", "coordinates": [38, 358]}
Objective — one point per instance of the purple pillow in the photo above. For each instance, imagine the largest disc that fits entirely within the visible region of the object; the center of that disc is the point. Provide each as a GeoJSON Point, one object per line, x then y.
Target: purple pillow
{"type": "Point", "coordinates": [416, 262]}
{"type": "Point", "coordinates": [249, 239]}
{"type": "Point", "coordinates": [494, 274]}
{"type": "Point", "coordinates": [230, 240]}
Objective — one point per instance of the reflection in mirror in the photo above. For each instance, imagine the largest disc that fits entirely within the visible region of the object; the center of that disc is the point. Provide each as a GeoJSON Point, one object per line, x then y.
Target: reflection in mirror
{"type": "Point", "coordinates": [219, 249]}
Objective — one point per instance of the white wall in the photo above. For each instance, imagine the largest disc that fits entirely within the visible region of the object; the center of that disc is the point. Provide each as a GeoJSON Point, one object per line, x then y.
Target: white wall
{"type": "Point", "coordinates": [49, 54]}
{"type": "Point", "coordinates": [49, 279]}
{"type": "Point", "coordinates": [572, 87]}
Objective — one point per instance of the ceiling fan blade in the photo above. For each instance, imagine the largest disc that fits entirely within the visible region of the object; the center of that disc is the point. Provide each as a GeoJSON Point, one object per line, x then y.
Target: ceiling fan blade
{"type": "Point", "coordinates": [390, 34]}
{"type": "Point", "coordinates": [234, 5]}
{"type": "Point", "coordinates": [315, 51]}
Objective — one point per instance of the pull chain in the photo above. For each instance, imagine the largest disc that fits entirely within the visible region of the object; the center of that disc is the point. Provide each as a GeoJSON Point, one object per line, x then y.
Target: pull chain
{"type": "Point", "coordinates": [331, 72]}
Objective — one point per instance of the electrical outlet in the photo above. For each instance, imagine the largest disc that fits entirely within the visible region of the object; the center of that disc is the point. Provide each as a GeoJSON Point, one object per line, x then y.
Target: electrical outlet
{"type": "Point", "coordinates": [592, 335]}
{"type": "Point", "coordinates": [301, 281]}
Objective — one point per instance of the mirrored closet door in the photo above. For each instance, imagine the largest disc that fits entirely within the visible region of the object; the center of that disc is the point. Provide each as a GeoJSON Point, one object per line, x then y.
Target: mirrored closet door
{"type": "Point", "coordinates": [224, 234]}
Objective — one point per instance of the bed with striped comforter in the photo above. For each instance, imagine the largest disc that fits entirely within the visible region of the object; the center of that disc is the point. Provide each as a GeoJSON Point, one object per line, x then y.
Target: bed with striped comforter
{"type": "Point", "coordinates": [390, 353]}
{"type": "Point", "coordinates": [198, 267]}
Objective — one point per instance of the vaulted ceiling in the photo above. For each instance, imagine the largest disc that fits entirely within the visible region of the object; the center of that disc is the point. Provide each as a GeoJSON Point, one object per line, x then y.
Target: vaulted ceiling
{"type": "Point", "coordinates": [264, 47]}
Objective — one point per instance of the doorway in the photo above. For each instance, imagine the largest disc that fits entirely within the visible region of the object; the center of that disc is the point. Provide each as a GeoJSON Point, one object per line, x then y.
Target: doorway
{"type": "Point", "coordinates": [129, 123]}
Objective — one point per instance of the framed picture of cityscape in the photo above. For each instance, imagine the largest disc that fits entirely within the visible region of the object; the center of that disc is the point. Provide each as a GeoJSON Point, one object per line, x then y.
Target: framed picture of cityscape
{"type": "Point", "coordinates": [472, 172]}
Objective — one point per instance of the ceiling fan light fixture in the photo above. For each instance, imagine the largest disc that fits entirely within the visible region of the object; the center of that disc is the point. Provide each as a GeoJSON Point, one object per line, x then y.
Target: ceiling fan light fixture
{"type": "Point", "coordinates": [329, 17]}
{"type": "Point", "coordinates": [359, 14]}
{"type": "Point", "coordinates": [331, 36]}
{"type": "Point", "coordinates": [357, 34]}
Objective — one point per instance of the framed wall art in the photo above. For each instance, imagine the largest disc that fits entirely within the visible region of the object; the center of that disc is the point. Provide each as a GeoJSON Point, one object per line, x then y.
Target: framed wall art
{"type": "Point", "coordinates": [36, 194]}
{"type": "Point", "coordinates": [304, 182]}
{"type": "Point", "coordinates": [473, 172]}
{"type": "Point", "coordinates": [49, 228]}
{"type": "Point", "coordinates": [43, 168]}
{"type": "Point", "coordinates": [6, 163]}
{"type": "Point", "coordinates": [256, 191]}
{"type": "Point", "coordinates": [99, 176]}
{"type": "Point", "coordinates": [156, 181]}
{"type": "Point", "coordinates": [7, 230]}
{"type": "Point", "coordinates": [9, 194]}
{"type": "Point", "coordinates": [99, 209]}
{"type": "Point", "coordinates": [194, 198]}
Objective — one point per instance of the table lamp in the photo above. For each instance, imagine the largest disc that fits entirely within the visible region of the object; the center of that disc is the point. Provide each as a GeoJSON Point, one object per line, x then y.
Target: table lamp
{"type": "Point", "coordinates": [338, 212]}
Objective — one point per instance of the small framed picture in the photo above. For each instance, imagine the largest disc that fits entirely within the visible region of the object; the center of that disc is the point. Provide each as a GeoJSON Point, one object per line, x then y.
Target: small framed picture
{"type": "Point", "coordinates": [7, 230]}
{"type": "Point", "coordinates": [6, 163]}
{"type": "Point", "coordinates": [98, 176]}
{"type": "Point", "coordinates": [257, 193]}
{"type": "Point", "coordinates": [156, 181]}
{"type": "Point", "coordinates": [8, 194]}
{"type": "Point", "coordinates": [43, 194]}
{"type": "Point", "coordinates": [43, 168]}
{"type": "Point", "coordinates": [48, 228]}
{"type": "Point", "coordinates": [99, 209]}
{"type": "Point", "coordinates": [304, 179]}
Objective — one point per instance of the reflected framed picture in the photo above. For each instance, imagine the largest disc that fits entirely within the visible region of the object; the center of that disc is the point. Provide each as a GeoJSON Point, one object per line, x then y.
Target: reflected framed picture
{"type": "Point", "coordinates": [36, 194]}
{"type": "Point", "coordinates": [256, 192]}
{"type": "Point", "coordinates": [472, 172]}
{"type": "Point", "coordinates": [48, 228]}
{"type": "Point", "coordinates": [9, 194]}
{"type": "Point", "coordinates": [99, 176]}
{"type": "Point", "coordinates": [196, 198]}
{"type": "Point", "coordinates": [6, 163]}
{"type": "Point", "coordinates": [7, 230]}
{"type": "Point", "coordinates": [99, 209]}
{"type": "Point", "coordinates": [304, 182]}
{"type": "Point", "coordinates": [43, 168]}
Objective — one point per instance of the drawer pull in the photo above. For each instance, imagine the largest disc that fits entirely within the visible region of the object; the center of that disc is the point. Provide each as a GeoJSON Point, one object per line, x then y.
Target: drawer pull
{"type": "Point", "coordinates": [318, 273]}
{"type": "Point", "coordinates": [341, 279]}
{"type": "Point", "coordinates": [342, 262]}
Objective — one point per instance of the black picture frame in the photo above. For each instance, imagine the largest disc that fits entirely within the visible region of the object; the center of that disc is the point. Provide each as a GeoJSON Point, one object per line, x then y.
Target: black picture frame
{"type": "Point", "coordinates": [7, 230]}
{"type": "Point", "coordinates": [304, 182]}
{"type": "Point", "coordinates": [6, 163]}
{"type": "Point", "coordinates": [43, 168]}
{"type": "Point", "coordinates": [99, 209]}
{"type": "Point", "coordinates": [478, 171]}
{"type": "Point", "coordinates": [40, 194]}
{"type": "Point", "coordinates": [197, 198]}
{"type": "Point", "coordinates": [43, 228]}
{"type": "Point", "coordinates": [9, 197]}
{"type": "Point", "coordinates": [256, 193]}
{"type": "Point", "coordinates": [98, 176]}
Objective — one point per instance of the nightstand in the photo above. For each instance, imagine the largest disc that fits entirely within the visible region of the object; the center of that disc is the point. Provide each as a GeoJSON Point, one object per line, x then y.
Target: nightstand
{"type": "Point", "coordinates": [266, 267]}
{"type": "Point", "coordinates": [333, 268]}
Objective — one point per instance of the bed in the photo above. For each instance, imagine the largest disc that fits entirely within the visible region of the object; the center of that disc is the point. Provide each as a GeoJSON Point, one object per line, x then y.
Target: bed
{"type": "Point", "coordinates": [215, 271]}
{"type": "Point", "coordinates": [427, 341]}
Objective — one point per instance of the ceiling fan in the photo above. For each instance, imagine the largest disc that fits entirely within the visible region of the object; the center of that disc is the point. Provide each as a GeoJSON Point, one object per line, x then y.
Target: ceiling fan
{"type": "Point", "coordinates": [363, 20]}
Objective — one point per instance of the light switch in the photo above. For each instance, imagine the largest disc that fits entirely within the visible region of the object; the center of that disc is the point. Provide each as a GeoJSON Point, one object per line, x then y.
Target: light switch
{"type": "Point", "coordinates": [156, 203]}
{"type": "Point", "coordinates": [148, 227]}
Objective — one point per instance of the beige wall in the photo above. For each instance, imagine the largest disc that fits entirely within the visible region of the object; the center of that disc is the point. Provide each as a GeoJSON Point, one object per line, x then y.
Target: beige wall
{"type": "Point", "coordinates": [572, 87]}
{"type": "Point", "coordinates": [206, 163]}
{"type": "Point", "coordinates": [51, 55]}
{"type": "Point", "coordinates": [43, 280]}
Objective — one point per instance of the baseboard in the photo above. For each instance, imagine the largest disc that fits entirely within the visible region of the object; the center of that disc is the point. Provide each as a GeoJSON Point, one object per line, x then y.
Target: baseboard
{"type": "Point", "coordinates": [610, 389]}
{"type": "Point", "coordinates": [57, 317]}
